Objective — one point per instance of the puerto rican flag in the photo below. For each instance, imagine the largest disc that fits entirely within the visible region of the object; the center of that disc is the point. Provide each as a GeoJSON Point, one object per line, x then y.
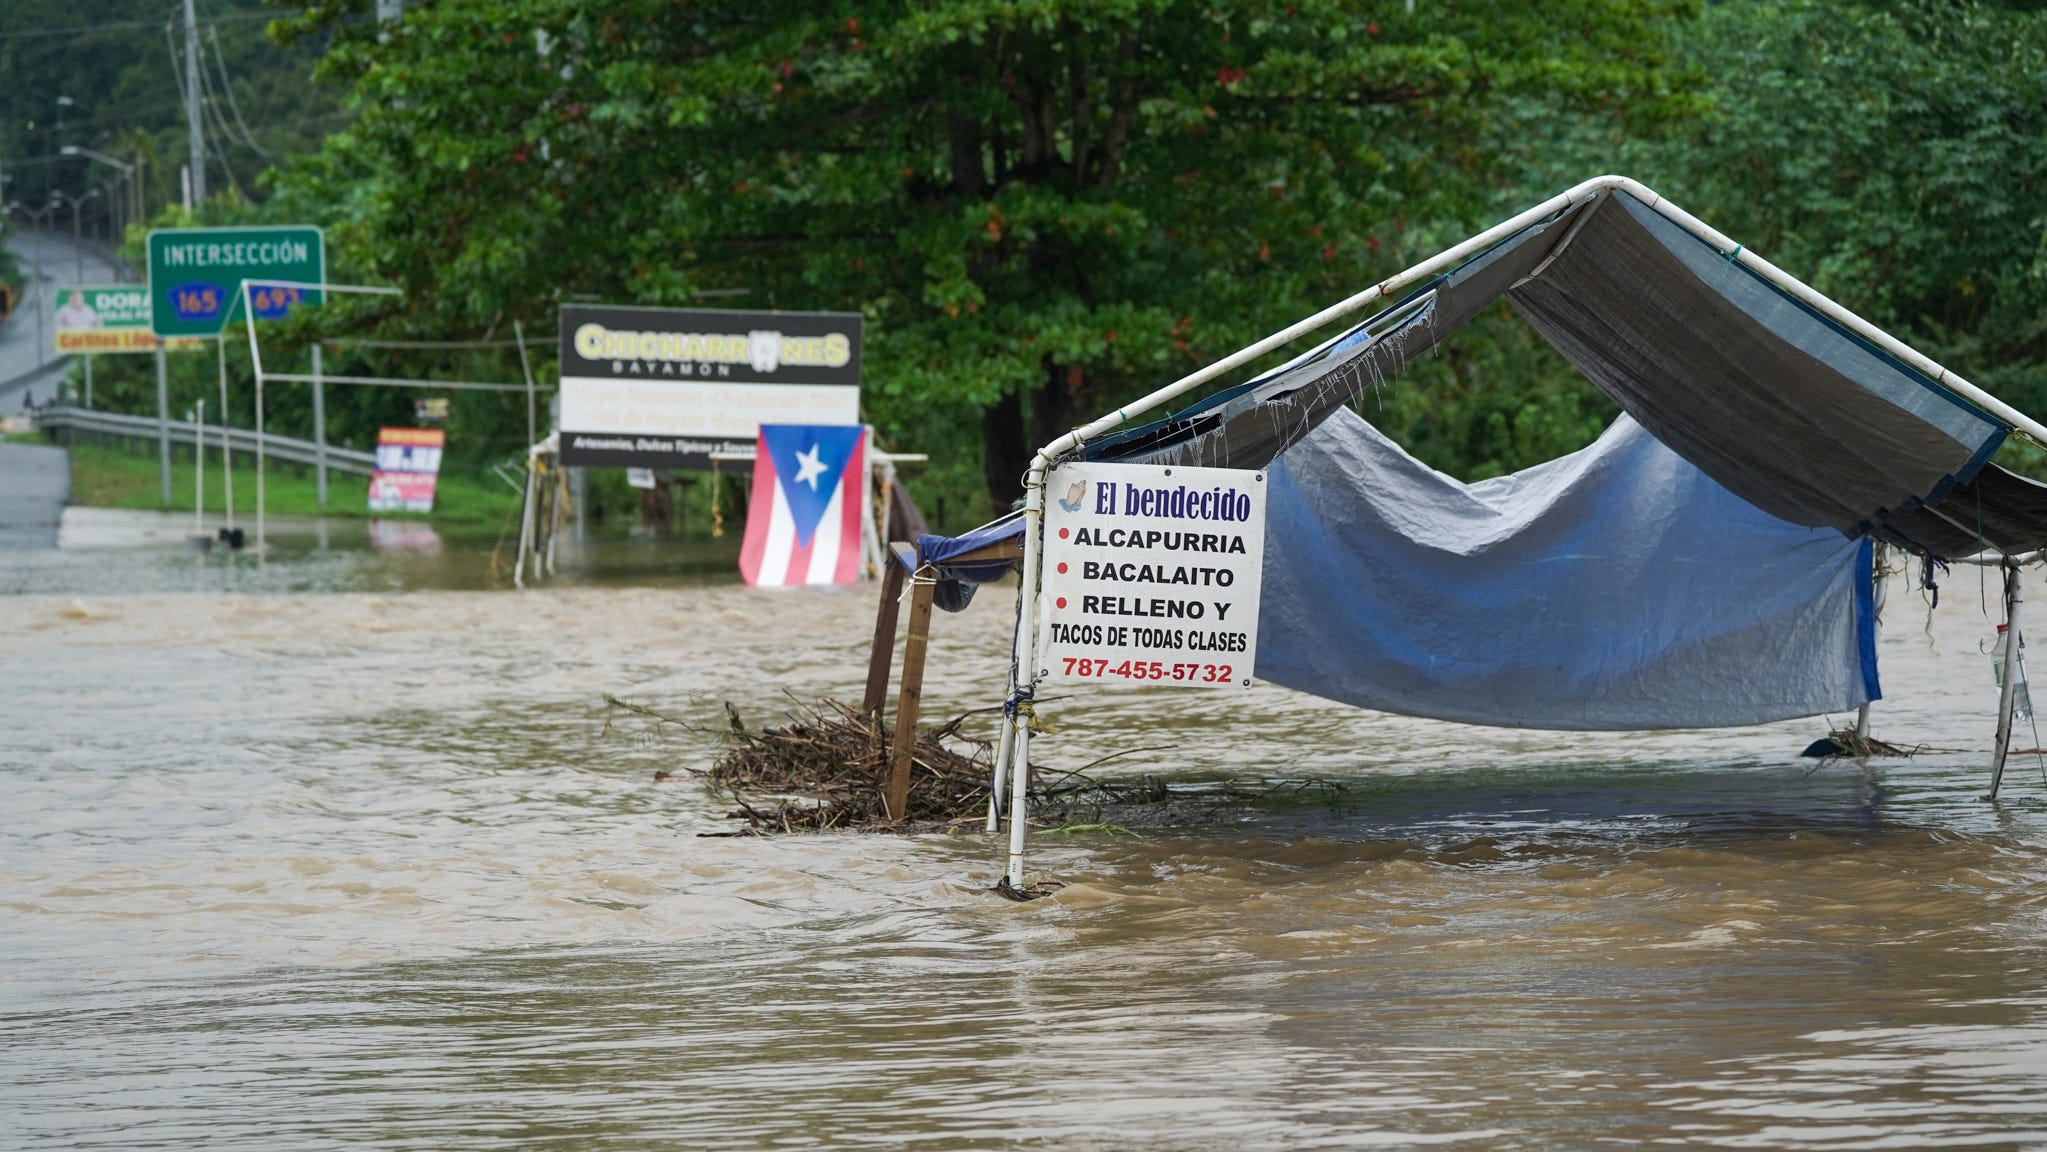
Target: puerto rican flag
{"type": "Point", "coordinates": [809, 490]}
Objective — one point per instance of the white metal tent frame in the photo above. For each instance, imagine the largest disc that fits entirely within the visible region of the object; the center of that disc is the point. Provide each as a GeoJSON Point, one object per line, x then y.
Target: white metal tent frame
{"type": "Point", "coordinates": [245, 301]}
{"type": "Point", "coordinates": [1013, 754]}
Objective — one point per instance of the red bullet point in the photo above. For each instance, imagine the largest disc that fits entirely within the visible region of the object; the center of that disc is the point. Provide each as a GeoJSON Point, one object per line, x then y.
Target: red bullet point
{"type": "Point", "coordinates": [1062, 533]}
{"type": "Point", "coordinates": [1062, 567]}
{"type": "Point", "coordinates": [1061, 602]}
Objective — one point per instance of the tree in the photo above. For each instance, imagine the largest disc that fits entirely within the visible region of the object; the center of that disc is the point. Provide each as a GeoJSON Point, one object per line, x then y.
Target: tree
{"type": "Point", "coordinates": [118, 64]}
{"type": "Point", "coordinates": [1895, 157]}
{"type": "Point", "coordinates": [1043, 207]}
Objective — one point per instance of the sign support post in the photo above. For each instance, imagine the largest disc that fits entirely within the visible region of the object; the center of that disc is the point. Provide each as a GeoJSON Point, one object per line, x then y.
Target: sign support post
{"type": "Point", "coordinates": [227, 463]}
{"type": "Point", "coordinates": [255, 362]}
{"type": "Point", "coordinates": [319, 426]}
{"type": "Point", "coordinates": [88, 378]}
{"type": "Point", "coordinates": [163, 423]}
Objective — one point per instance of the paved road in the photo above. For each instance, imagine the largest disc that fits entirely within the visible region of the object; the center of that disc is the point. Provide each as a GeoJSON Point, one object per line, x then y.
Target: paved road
{"type": "Point", "coordinates": [35, 483]}
{"type": "Point", "coordinates": [19, 345]}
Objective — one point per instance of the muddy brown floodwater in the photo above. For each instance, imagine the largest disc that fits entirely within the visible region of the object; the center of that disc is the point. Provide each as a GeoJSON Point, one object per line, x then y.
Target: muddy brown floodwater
{"type": "Point", "coordinates": [285, 864]}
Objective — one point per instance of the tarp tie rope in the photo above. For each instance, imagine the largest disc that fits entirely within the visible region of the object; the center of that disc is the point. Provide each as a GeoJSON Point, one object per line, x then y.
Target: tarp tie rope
{"type": "Point", "coordinates": [1734, 255]}
{"type": "Point", "coordinates": [1927, 581]}
{"type": "Point", "coordinates": [1020, 705]}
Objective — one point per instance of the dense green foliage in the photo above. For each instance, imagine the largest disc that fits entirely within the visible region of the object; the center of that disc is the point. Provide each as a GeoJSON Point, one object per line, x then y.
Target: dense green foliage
{"type": "Point", "coordinates": [112, 60]}
{"type": "Point", "coordinates": [1897, 159]}
{"type": "Point", "coordinates": [1046, 207]}
{"type": "Point", "coordinates": [1042, 208]}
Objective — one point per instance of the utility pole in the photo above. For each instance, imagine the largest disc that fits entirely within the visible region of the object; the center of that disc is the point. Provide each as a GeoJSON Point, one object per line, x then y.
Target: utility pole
{"type": "Point", "coordinates": [42, 342]}
{"type": "Point", "coordinates": [193, 129]}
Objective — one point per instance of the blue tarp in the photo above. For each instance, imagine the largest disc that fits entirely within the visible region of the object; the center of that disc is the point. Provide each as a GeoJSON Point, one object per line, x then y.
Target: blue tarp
{"type": "Point", "coordinates": [1618, 587]}
{"type": "Point", "coordinates": [1615, 588]}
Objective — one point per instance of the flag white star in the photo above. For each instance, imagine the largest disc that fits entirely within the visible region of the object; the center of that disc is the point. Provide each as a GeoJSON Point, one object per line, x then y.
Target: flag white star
{"type": "Point", "coordinates": [809, 467]}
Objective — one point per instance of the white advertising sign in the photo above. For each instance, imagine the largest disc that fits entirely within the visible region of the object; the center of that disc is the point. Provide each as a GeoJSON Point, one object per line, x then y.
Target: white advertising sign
{"type": "Point", "coordinates": [674, 387]}
{"type": "Point", "coordinates": [1151, 575]}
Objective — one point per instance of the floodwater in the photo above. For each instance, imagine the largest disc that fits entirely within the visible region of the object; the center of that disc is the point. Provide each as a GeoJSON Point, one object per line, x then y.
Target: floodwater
{"type": "Point", "coordinates": [341, 852]}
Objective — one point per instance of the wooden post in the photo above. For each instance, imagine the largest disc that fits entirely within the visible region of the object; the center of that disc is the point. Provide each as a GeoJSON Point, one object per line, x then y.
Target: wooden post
{"type": "Point", "coordinates": [903, 559]}
{"type": "Point", "coordinates": [923, 586]}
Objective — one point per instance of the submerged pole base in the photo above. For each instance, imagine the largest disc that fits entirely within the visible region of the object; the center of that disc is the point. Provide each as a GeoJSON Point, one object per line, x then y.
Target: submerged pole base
{"type": "Point", "coordinates": [1008, 891]}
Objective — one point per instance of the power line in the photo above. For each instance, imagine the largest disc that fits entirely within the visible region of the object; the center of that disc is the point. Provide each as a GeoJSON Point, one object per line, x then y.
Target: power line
{"type": "Point", "coordinates": [227, 85]}
{"type": "Point", "coordinates": [427, 345]}
{"type": "Point", "coordinates": [210, 101]}
{"type": "Point", "coordinates": [127, 25]}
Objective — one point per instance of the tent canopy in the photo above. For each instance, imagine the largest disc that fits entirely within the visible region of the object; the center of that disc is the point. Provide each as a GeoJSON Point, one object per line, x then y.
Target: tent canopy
{"type": "Point", "coordinates": [1777, 402]}
{"type": "Point", "coordinates": [1706, 562]}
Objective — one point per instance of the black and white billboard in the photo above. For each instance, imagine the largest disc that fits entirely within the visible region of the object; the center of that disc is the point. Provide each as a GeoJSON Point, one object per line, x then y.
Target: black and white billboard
{"type": "Point", "coordinates": [667, 387]}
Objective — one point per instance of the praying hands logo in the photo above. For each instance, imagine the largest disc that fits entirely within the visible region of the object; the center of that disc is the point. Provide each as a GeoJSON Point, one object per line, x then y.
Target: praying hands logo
{"type": "Point", "coordinates": [1073, 495]}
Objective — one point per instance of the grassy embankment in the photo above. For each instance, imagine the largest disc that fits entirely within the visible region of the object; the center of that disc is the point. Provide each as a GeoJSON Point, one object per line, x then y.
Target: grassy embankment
{"type": "Point", "coordinates": [103, 476]}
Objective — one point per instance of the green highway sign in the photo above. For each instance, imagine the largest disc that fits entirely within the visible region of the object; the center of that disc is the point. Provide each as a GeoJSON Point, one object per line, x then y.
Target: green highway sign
{"type": "Point", "coordinates": [196, 274]}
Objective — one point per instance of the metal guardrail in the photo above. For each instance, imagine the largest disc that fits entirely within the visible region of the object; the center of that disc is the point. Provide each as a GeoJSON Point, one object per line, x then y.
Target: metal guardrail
{"type": "Point", "coordinates": [69, 420]}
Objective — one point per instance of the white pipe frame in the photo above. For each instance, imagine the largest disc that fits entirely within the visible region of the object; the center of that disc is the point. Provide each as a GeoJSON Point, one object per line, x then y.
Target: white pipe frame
{"type": "Point", "coordinates": [1034, 479]}
{"type": "Point", "coordinates": [248, 308]}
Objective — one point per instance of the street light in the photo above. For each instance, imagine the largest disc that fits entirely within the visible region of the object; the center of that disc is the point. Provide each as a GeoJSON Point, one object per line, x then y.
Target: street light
{"type": "Point", "coordinates": [77, 237]}
{"type": "Point", "coordinates": [127, 171]}
{"type": "Point", "coordinates": [42, 346]}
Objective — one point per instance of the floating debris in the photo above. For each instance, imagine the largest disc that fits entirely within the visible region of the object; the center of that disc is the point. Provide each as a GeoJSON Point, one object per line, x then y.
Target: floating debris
{"type": "Point", "coordinates": [825, 769]}
{"type": "Point", "coordinates": [1844, 742]}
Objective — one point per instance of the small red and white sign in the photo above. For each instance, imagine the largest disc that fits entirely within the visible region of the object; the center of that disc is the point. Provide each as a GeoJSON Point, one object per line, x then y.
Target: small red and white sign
{"type": "Point", "coordinates": [408, 469]}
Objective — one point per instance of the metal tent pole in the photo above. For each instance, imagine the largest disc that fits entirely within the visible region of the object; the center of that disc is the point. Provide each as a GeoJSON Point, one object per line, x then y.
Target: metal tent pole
{"type": "Point", "coordinates": [525, 526]}
{"type": "Point", "coordinates": [557, 514]}
{"type": "Point", "coordinates": [1005, 747]}
{"type": "Point", "coordinates": [2008, 697]}
{"type": "Point", "coordinates": [1027, 664]}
